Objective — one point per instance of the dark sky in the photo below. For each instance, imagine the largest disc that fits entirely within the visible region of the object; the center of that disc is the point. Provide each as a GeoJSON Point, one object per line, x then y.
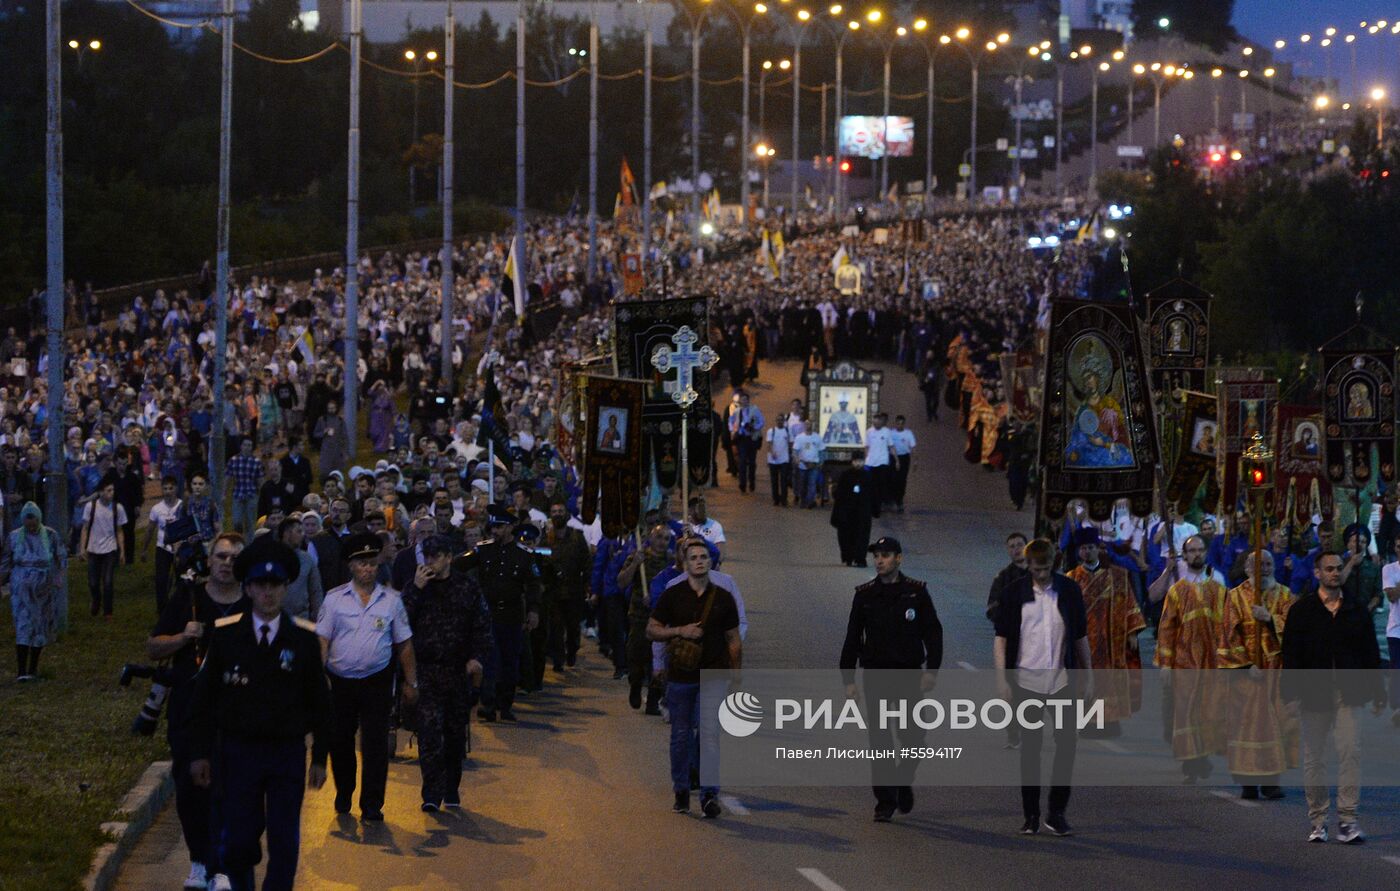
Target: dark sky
{"type": "Point", "coordinates": [1377, 57]}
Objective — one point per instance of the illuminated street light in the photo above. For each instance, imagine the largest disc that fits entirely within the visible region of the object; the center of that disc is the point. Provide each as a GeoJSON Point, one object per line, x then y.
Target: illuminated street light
{"type": "Point", "coordinates": [1377, 94]}
{"type": "Point", "coordinates": [873, 16]}
{"type": "Point", "coordinates": [1216, 72]}
{"type": "Point", "coordinates": [1280, 44]}
{"type": "Point", "coordinates": [1164, 23]}
{"type": "Point", "coordinates": [962, 33]}
{"type": "Point", "coordinates": [1321, 102]}
{"type": "Point", "coordinates": [1247, 51]}
{"type": "Point", "coordinates": [1003, 38]}
{"type": "Point", "coordinates": [920, 24]}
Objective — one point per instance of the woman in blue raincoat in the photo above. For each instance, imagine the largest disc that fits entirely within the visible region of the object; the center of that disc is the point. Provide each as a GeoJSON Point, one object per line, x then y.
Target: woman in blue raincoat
{"type": "Point", "coordinates": [34, 562]}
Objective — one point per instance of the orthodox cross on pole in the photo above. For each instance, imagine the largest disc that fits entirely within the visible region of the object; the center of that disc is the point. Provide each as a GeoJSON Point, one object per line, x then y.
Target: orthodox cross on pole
{"type": "Point", "coordinates": [684, 360]}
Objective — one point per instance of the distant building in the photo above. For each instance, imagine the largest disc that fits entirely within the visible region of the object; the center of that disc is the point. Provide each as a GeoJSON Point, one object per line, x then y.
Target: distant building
{"type": "Point", "coordinates": [1103, 15]}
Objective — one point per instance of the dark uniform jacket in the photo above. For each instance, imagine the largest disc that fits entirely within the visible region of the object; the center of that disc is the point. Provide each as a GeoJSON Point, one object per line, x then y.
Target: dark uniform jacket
{"type": "Point", "coordinates": [892, 626]}
{"type": "Point", "coordinates": [450, 620]}
{"type": "Point", "coordinates": [572, 561]}
{"type": "Point", "coordinates": [508, 576]}
{"type": "Point", "coordinates": [273, 694]}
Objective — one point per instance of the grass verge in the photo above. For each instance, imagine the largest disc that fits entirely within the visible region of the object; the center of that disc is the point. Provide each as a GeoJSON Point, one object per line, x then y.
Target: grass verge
{"type": "Point", "coordinates": [66, 754]}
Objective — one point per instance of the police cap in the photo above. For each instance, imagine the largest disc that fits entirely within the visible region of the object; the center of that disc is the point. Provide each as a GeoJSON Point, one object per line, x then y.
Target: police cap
{"type": "Point", "coordinates": [266, 558]}
{"type": "Point", "coordinates": [499, 516]}
{"type": "Point", "coordinates": [363, 546]}
{"type": "Point", "coordinates": [886, 545]}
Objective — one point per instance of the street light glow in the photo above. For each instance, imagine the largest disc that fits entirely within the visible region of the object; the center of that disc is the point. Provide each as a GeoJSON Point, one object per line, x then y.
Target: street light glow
{"type": "Point", "coordinates": [962, 33]}
{"type": "Point", "coordinates": [1280, 44]}
{"type": "Point", "coordinates": [767, 64]}
{"type": "Point", "coordinates": [432, 55]}
{"type": "Point", "coordinates": [760, 8]}
{"type": "Point", "coordinates": [1351, 38]}
{"type": "Point", "coordinates": [1321, 102]}
{"type": "Point", "coordinates": [1377, 94]}
{"type": "Point", "coordinates": [1045, 44]}
{"type": "Point", "coordinates": [853, 25]}
{"type": "Point", "coordinates": [1003, 38]}
{"type": "Point", "coordinates": [73, 44]}
{"type": "Point", "coordinates": [94, 45]}
{"type": "Point", "coordinates": [1330, 32]}
{"type": "Point", "coordinates": [836, 9]}
{"type": "Point", "coordinates": [991, 46]}
{"type": "Point", "coordinates": [944, 39]}
{"type": "Point", "coordinates": [1188, 73]}
{"type": "Point", "coordinates": [1033, 51]}
{"type": "Point", "coordinates": [920, 24]}
{"type": "Point", "coordinates": [1269, 72]}
{"type": "Point", "coordinates": [803, 15]}
{"type": "Point", "coordinates": [1118, 55]}
{"type": "Point", "coordinates": [1216, 72]}
{"type": "Point", "coordinates": [1164, 23]}
{"type": "Point", "coordinates": [410, 55]}
{"type": "Point", "coordinates": [1104, 66]}
{"type": "Point", "coordinates": [1140, 68]}
{"type": "Point", "coordinates": [873, 16]}
{"type": "Point", "coordinates": [1305, 38]}
{"type": "Point", "coordinates": [1086, 50]}
{"type": "Point", "coordinates": [901, 31]}
{"type": "Point", "coordinates": [1326, 41]}
{"type": "Point", "coordinates": [785, 64]}
{"type": "Point", "coordinates": [1244, 72]}
{"type": "Point", "coordinates": [1247, 51]}
{"type": "Point", "coordinates": [761, 150]}
{"type": "Point", "coordinates": [1045, 57]}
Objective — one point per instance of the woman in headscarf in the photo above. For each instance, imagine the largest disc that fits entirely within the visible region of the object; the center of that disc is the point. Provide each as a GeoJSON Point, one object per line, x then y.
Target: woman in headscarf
{"type": "Point", "coordinates": [33, 562]}
{"type": "Point", "coordinates": [381, 415]}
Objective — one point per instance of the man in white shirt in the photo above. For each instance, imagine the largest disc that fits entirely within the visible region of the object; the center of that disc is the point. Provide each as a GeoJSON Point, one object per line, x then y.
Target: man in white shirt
{"type": "Point", "coordinates": [705, 526]}
{"type": "Point", "coordinates": [879, 450]}
{"type": "Point", "coordinates": [1390, 583]}
{"type": "Point", "coordinates": [163, 513]}
{"type": "Point", "coordinates": [807, 449]}
{"type": "Point", "coordinates": [902, 441]}
{"type": "Point", "coordinates": [102, 545]}
{"type": "Point", "coordinates": [779, 462]}
{"type": "Point", "coordinates": [1042, 632]}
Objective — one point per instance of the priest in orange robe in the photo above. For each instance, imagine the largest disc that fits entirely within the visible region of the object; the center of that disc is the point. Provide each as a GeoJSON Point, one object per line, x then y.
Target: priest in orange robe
{"type": "Point", "coordinates": [1187, 644]}
{"type": "Point", "coordinates": [1261, 740]}
{"type": "Point", "coordinates": [1114, 624]}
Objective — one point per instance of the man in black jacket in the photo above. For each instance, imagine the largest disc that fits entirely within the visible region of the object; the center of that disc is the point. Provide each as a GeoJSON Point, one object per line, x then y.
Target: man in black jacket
{"type": "Point", "coordinates": [131, 491]}
{"type": "Point", "coordinates": [893, 625]}
{"type": "Point", "coordinates": [852, 506]}
{"type": "Point", "coordinates": [1047, 610]}
{"type": "Point", "coordinates": [1333, 640]}
{"type": "Point", "coordinates": [296, 472]}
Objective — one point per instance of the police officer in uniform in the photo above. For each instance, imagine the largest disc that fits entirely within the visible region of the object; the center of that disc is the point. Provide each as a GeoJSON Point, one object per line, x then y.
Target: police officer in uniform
{"type": "Point", "coordinates": [537, 641]}
{"type": "Point", "coordinates": [893, 625]}
{"type": "Point", "coordinates": [452, 641]}
{"type": "Point", "coordinates": [510, 579]}
{"type": "Point", "coordinates": [260, 690]}
{"type": "Point", "coordinates": [363, 628]}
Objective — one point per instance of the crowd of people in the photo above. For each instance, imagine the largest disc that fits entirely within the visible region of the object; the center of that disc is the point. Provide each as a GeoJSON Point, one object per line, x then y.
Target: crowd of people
{"type": "Point", "coordinates": [439, 572]}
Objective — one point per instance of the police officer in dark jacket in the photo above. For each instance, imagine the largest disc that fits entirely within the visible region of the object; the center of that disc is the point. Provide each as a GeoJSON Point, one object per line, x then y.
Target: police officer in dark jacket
{"type": "Point", "coordinates": [852, 507]}
{"type": "Point", "coordinates": [893, 625]}
{"type": "Point", "coordinates": [452, 633]}
{"type": "Point", "coordinates": [527, 535]}
{"type": "Point", "coordinates": [260, 690]}
{"type": "Point", "coordinates": [510, 579]}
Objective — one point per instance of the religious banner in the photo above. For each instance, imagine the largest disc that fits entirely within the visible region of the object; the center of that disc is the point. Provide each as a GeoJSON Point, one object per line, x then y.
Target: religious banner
{"type": "Point", "coordinates": [1359, 411]}
{"type": "Point", "coordinates": [632, 279]}
{"type": "Point", "coordinates": [1247, 400]}
{"type": "Point", "coordinates": [1097, 437]}
{"type": "Point", "coordinates": [638, 329]}
{"type": "Point", "coordinates": [1020, 381]}
{"type": "Point", "coordinates": [1178, 329]}
{"type": "Point", "coordinates": [1303, 488]}
{"type": "Point", "coordinates": [1195, 461]}
{"type": "Point", "coordinates": [841, 401]}
{"type": "Point", "coordinates": [612, 477]}
{"type": "Point", "coordinates": [567, 415]}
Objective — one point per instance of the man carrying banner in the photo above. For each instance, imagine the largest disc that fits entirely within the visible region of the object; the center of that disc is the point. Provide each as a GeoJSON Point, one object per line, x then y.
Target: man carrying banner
{"type": "Point", "coordinates": [1114, 622]}
{"type": "Point", "coordinates": [1261, 741]}
{"type": "Point", "coordinates": [1187, 638]}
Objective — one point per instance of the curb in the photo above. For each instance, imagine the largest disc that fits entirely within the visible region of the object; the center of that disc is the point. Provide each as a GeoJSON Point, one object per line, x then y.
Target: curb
{"type": "Point", "coordinates": [135, 814]}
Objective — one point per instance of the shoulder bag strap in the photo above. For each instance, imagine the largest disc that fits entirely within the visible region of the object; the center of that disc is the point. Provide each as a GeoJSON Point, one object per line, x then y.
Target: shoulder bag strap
{"type": "Point", "coordinates": [709, 602]}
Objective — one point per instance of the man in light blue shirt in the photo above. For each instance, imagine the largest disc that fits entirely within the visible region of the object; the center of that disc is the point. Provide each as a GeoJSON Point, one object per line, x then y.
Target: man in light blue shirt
{"type": "Point", "coordinates": [746, 425]}
{"type": "Point", "coordinates": [363, 626]}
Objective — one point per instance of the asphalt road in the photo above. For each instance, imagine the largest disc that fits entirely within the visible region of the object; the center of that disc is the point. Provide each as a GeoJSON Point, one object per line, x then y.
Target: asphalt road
{"type": "Point", "coordinates": [578, 795]}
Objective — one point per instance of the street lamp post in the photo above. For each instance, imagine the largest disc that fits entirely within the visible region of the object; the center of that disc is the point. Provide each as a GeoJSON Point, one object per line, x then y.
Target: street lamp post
{"type": "Point", "coordinates": [417, 59]}
{"type": "Point", "coordinates": [352, 240]}
{"type": "Point", "coordinates": [1378, 97]}
{"type": "Point", "coordinates": [448, 285]}
{"type": "Point", "coordinates": [1269, 79]}
{"type": "Point", "coordinates": [1018, 81]}
{"type": "Point", "coordinates": [839, 35]}
{"type": "Point", "coordinates": [746, 28]}
{"type": "Point", "coordinates": [592, 142]}
{"type": "Point", "coordinates": [799, 29]}
{"type": "Point", "coordinates": [56, 487]}
{"type": "Point", "coordinates": [646, 137]}
{"type": "Point", "coordinates": [1216, 74]}
{"type": "Point", "coordinates": [765, 153]}
{"type": "Point", "coordinates": [974, 60]}
{"type": "Point", "coordinates": [1244, 92]}
{"type": "Point", "coordinates": [221, 272]}
{"type": "Point", "coordinates": [783, 65]}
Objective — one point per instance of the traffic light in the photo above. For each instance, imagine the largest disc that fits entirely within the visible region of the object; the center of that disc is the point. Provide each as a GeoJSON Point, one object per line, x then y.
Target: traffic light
{"type": "Point", "coordinates": [845, 166]}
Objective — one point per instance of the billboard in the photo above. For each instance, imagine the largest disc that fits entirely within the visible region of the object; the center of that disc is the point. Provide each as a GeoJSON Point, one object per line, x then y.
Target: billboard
{"type": "Point", "coordinates": [875, 137]}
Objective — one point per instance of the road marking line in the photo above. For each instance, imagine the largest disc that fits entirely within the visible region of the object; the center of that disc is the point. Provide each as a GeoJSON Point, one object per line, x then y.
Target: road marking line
{"type": "Point", "coordinates": [1231, 797]}
{"type": "Point", "coordinates": [1113, 746]}
{"type": "Point", "coordinates": [733, 805]}
{"type": "Point", "coordinates": [818, 878]}
{"type": "Point", "coordinates": [1394, 860]}
{"type": "Point", "coordinates": [967, 666]}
